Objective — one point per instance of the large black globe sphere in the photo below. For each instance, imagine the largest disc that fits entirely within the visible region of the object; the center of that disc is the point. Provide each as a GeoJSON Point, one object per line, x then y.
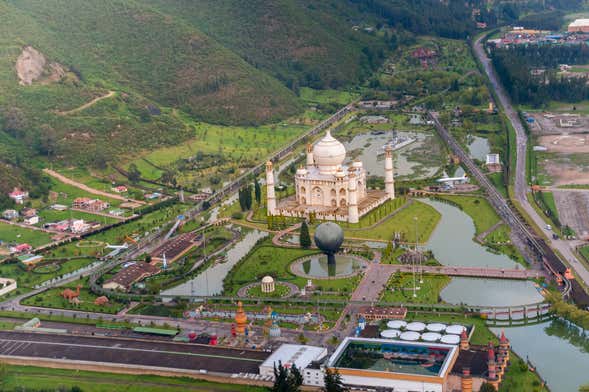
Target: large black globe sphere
{"type": "Point", "coordinates": [329, 237]}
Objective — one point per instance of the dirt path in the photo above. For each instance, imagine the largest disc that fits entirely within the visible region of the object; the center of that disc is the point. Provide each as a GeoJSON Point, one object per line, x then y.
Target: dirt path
{"type": "Point", "coordinates": [86, 188]}
{"type": "Point", "coordinates": [86, 105]}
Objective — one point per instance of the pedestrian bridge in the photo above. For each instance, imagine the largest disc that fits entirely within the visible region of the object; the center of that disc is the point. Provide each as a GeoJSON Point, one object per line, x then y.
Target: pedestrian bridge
{"type": "Point", "coordinates": [475, 272]}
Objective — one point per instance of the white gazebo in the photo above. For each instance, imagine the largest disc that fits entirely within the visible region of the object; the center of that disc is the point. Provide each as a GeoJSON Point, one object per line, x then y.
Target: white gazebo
{"type": "Point", "coordinates": [268, 284]}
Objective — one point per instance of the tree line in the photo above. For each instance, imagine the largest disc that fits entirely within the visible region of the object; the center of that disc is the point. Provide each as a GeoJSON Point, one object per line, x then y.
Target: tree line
{"type": "Point", "coordinates": [529, 76]}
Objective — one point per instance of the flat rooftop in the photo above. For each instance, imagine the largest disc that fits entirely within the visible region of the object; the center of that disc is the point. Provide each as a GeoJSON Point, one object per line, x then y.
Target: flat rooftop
{"type": "Point", "coordinates": [388, 356]}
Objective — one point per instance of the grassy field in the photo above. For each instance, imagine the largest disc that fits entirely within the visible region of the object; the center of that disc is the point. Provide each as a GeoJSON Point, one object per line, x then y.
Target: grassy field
{"type": "Point", "coordinates": [28, 377]}
{"type": "Point", "coordinates": [400, 289]}
{"type": "Point", "coordinates": [11, 233]}
{"type": "Point", "coordinates": [478, 208]}
{"type": "Point", "coordinates": [403, 222]}
{"type": "Point", "coordinates": [28, 279]}
{"type": "Point", "coordinates": [52, 299]}
{"type": "Point", "coordinates": [327, 96]}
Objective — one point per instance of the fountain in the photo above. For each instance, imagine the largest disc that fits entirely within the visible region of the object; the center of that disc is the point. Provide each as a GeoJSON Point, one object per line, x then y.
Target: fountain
{"type": "Point", "coordinates": [329, 237]}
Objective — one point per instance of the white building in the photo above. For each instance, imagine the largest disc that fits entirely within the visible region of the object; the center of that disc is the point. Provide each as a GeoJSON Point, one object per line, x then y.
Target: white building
{"type": "Point", "coordinates": [330, 189]}
{"type": "Point", "coordinates": [395, 356]}
{"type": "Point", "coordinates": [293, 354]}
{"type": "Point", "coordinates": [32, 220]}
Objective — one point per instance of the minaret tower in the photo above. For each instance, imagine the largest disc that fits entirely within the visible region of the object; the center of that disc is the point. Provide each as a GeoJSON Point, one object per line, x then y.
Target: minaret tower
{"type": "Point", "coordinates": [352, 199]}
{"type": "Point", "coordinates": [492, 369]}
{"type": "Point", "coordinates": [466, 382]}
{"type": "Point", "coordinates": [310, 160]}
{"type": "Point", "coordinates": [271, 197]}
{"type": "Point", "coordinates": [389, 180]}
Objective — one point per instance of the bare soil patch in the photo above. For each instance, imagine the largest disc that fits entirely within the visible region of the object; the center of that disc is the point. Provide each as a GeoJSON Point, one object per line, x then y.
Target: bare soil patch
{"type": "Point", "coordinates": [565, 172]}
{"type": "Point", "coordinates": [565, 143]}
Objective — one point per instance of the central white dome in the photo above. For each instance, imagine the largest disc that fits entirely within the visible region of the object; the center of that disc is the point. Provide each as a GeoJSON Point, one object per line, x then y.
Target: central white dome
{"type": "Point", "coordinates": [328, 154]}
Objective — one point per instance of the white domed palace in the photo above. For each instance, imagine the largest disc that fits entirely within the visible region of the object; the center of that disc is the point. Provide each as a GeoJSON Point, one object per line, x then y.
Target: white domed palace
{"type": "Point", "coordinates": [330, 189]}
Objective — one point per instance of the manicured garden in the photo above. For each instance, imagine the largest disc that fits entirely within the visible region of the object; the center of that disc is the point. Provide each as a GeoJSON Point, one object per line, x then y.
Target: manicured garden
{"type": "Point", "coordinates": [280, 290]}
{"type": "Point", "coordinates": [400, 288]}
{"type": "Point", "coordinates": [402, 222]}
{"type": "Point", "coordinates": [266, 259]}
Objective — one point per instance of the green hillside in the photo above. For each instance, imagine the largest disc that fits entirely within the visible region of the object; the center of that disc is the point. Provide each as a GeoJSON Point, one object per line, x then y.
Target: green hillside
{"type": "Point", "coordinates": [151, 60]}
{"type": "Point", "coordinates": [302, 42]}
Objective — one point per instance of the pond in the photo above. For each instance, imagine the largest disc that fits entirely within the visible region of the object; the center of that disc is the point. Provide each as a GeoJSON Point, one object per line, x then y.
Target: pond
{"type": "Point", "coordinates": [210, 282]}
{"type": "Point", "coordinates": [409, 160]}
{"type": "Point", "coordinates": [316, 266]}
{"type": "Point", "coordinates": [490, 292]}
{"type": "Point", "coordinates": [452, 244]}
{"type": "Point", "coordinates": [479, 147]}
{"type": "Point", "coordinates": [542, 342]}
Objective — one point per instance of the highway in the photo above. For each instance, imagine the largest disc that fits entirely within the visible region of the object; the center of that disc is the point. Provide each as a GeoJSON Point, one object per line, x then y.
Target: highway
{"type": "Point", "coordinates": [521, 186]}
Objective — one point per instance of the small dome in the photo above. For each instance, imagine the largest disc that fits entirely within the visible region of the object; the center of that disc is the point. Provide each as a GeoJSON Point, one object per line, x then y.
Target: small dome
{"type": "Point", "coordinates": [328, 154]}
{"type": "Point", "coordinates": [357, 164]}
{"type": "Point", "coordinates": [301, 171]}
{"type": "Point", "coordinates": [267, 279]}
{"type": "Point", "coordinates": [340, 173]}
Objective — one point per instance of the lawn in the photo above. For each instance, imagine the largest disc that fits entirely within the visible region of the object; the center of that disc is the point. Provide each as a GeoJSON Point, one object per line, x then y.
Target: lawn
{"type": "Point", "coordinates": [48, 215]}
{"type": "Point", "coordinates": [402, 222]}
{"type": "Point", "coordinates": [15, 234]}
{"type": "Point", "coordinates": [237, 145]}
{"type": "Point", "coordinates": [31, 278]}
{"type": "Point", "coordinates": [400, 289]}
{"type": "Point", "coordinates": [269, 260]}
{"type": "Point", "coordinates": [478, 208]}
{"type": "Point", "coordinates": [28, 377]}
{"type": "Point", "coordinates": [52, 299]}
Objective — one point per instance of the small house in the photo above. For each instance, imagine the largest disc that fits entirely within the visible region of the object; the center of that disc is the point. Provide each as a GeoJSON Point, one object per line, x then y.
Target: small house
{"type": "Point", "coordinates": [18, 195]}
{"type": "Point", "coordinates": [32, 220]}
{"type": "Point", "coordinates": [10, 214]}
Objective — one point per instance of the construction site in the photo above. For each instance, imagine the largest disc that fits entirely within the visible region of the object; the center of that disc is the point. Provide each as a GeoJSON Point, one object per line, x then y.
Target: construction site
{"type": "Point", "coordinates": [561, 146]}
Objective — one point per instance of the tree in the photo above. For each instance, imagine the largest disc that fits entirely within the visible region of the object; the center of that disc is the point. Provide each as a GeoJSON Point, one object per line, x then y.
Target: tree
{"type": "Point", "coordinates": [486, 387]}
{"type": "Point", "coordinates": [584, 388]}
{"type": "Point", "coordinates": [286, 380]}
{"type": "Point", "coordinates": [258, 191]}
{"type": "Point", "coordinates": [304, 237]}
{"type": "Point", "coordinates": [333, 382]}
{"type": "Point", "coordinates": [133, 173]}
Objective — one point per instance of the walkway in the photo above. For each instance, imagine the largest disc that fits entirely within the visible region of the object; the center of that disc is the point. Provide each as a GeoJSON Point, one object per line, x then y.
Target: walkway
{"type": "Point", "coordinates": [481, 237]}
{"type": "Point", "coordinates": [86, 105]}
{"type": "Point", "coordinates": [86, 188]}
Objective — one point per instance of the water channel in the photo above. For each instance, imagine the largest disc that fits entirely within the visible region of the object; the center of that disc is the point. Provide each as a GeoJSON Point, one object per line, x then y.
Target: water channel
{"type": "Point", "coordinates": [559, 352]}
{"type": "Point", "coordinates": [210, 282]}
{"type": "Point", "coordinates": [538, 342]}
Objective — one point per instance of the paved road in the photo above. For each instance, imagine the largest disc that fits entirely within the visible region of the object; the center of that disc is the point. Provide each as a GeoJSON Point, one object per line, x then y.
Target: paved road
{"type": "Point", "coordinates": [521, 186]}
{"type": "Point", "coordinates": [130, 352]}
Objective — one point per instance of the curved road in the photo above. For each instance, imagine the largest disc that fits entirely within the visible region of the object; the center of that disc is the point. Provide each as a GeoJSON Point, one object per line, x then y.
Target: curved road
{"type": "Point", "coordinates": [521, 186]}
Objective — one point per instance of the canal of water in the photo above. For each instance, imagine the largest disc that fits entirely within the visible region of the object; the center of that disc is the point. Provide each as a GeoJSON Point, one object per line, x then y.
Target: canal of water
{"type": "Point", "coordinates": [210, 282]}
{"type": "Point", "coordinates": [560, 351]}
{"type": "Point", "coordinates": [478, 147]}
